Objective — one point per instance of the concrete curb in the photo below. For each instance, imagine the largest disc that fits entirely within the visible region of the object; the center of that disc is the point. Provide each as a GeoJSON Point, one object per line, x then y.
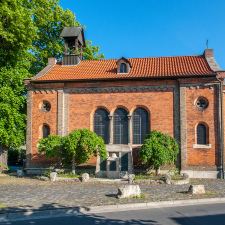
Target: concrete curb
{"type": "Point", "coordinates": [102, 209]}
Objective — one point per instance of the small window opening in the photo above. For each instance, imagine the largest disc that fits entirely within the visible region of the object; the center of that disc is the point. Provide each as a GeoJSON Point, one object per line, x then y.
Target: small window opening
{"type": "Point", "coordinates": [123, 68]}
{"type": "Point", "coordinates": [201, 134]}
{"type": "Point", "coordinates": [46, 131]}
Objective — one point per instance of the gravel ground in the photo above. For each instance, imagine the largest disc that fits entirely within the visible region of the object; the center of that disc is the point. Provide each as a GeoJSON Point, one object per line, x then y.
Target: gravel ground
{"type": "Point", "coordinates": [21, 194]}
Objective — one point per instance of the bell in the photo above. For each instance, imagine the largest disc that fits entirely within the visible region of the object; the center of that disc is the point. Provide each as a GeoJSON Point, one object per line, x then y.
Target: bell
{"type": "Point", "coordinates": [114, 155]}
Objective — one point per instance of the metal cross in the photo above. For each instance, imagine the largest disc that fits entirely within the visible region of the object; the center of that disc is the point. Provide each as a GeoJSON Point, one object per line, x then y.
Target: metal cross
{"type": "Point", "coordinates": [47, 107]}
{"type": "Point", "coordinates": [201, 103]}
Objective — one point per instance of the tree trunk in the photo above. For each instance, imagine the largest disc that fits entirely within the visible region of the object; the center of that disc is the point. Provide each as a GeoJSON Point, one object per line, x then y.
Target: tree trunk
{"type": "Point", "coordinates": [157, 171]}
{"type": "Point", "coordinates": [73, 164]}
{"type": "Point", "coordinates": [59, 160]}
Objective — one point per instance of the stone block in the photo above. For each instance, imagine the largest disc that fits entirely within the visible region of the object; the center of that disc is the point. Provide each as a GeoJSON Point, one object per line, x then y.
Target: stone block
{"type": "Point", "coordinates": [131, 178]}
{"type": "Point", "coordinates": [196, 189]}
{"type": "Point", "coordinates": [20, 173]}
{"type": "Point", "coordinates": [168, 179]}
{"type": "Point", "coordinates": [128, 191]}
{"type": "Point", "coordinates": [53, 176]}
{"type": "Point", "coordinates": [85, 177]}
{"type": "Point", "coordinates": [185, 175]}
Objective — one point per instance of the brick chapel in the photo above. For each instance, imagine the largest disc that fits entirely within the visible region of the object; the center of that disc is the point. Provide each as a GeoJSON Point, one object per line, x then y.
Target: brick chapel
{"type": "Point", "coordinates": [124, 99]}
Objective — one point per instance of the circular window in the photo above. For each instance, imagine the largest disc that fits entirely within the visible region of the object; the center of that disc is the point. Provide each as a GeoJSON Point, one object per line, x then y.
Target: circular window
{"type": "Point", "coordinates": [201, 103]}
{"type": "Point", "coordinates": [45, 107]}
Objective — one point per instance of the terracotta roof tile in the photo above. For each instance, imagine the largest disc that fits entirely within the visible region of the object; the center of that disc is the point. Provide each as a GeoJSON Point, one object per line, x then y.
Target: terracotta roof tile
{"type": "Point", "coordinates": [141, 67]}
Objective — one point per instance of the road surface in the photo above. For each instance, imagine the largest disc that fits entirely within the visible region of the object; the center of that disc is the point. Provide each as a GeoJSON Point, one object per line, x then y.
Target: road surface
{"type": "Point", "coordinates": [206, 214]}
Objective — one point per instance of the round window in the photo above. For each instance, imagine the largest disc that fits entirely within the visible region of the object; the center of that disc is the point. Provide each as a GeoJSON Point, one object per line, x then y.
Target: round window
{"type": "Point", "coordinates": [45, 107]}
{"type": "Point", "coordinates": [201, 103]}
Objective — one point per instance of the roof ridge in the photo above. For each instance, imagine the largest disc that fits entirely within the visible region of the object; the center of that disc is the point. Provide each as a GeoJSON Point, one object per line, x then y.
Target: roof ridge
{"type": "Point", "coordinates": [147, 57]}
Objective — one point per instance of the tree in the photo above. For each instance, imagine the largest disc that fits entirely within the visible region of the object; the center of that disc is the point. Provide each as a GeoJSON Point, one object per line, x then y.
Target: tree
{"type": "Point", "coordinates": [29, 35]}
{"type": "Point", "coordinates": [16, 35]}
{"type": "Point", "coordinates": [158, 149]}
{"type": "Point", "coordinates": [91, 52]}
{"type": "Point", "coordinates": [82, 144]}
{"type": "Point", "coordinates": [52, 146]}
{"type": "Point", "coordinates": [50, 21]}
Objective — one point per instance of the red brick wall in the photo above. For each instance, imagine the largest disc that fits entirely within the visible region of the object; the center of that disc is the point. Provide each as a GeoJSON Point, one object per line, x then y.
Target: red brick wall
{"type": "Point", "coordinates": [159, 104]}
{"type": "Point", "coordinates": [39, 118]}
{"type": "Point", "coordinates": [201, 156]}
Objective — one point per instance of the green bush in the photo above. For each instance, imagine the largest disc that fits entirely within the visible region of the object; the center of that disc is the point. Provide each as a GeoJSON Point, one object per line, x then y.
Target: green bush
{"type": "Point", "coordinates": [158, 149]}
{"type": "Point", "coordinates": [15, 154]}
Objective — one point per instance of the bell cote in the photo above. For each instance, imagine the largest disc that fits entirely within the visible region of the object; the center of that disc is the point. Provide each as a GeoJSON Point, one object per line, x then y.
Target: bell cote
{"type": "Point", "coordinates": [74, 41]}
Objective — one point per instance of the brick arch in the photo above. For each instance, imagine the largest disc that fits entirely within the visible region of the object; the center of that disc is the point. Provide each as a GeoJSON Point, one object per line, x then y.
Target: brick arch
{"type": "Point", "coordinates": [92, 115]}
{"type": "Point", "coordinates": [117, 107]}
{"type": "Point", "coordinates": [140, 106]}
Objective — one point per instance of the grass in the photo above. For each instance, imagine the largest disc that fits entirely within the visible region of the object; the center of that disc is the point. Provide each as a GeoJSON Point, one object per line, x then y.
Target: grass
{"type": "Point", "coordinates": [69, 176]}
{"type": "Point", "coordinates": [142, 195]}
{"type": "Point", "coordinates": [160, 177]}
{"type": "Point", "coordinates": [210, 193]}
{"type": "Point", "coordinates": [2, 206]}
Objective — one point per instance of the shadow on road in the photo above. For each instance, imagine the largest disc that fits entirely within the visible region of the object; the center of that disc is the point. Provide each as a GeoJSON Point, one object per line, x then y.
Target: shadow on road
{"type": "Point", "coordinates": [78, 218]}
{"type": "Point", "coordinates": [196, 220]}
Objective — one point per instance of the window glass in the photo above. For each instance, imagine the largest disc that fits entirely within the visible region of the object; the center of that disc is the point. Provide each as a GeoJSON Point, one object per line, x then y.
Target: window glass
{"type": "Point", "coordinates": [123, 68]}
{"type": "Point", "coordinates": [46, 131]}
{"type": "Point", "coordinates": [120, 127]}
{"type": "Point", "coordinates": [101, 124]}
{"type": "Point", "coordinates": [140, 125]}
{"type": "Point", "coordinates": [201, 134]}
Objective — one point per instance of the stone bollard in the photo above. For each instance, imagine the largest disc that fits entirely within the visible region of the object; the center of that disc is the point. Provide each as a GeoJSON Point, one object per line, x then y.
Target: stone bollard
{"type": "Point", "coordinates": [128, 191]}
{"type": "Point", "coordinates": [196, 189]}
{"type": "Point", "coordinates": [53, 176]}
{"type": "Point", "coordinates": [131, 178]}
{"type": "Point", "coordinates": [85, 177]}
{"type": "Point", "coordinates": [168, 179]}
{"type": "Point", "coordinates": [20, 173]}
{"type": "Point", "coordinates": [185, 175]}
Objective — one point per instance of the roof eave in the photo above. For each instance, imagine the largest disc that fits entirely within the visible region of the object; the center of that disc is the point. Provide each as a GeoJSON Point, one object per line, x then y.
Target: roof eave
{"type": "Point", "coordinates": [125, 78]}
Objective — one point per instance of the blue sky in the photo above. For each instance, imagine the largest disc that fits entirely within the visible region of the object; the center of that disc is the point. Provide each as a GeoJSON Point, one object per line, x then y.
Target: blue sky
{"type": "Point", "coordinates": [148, 28]}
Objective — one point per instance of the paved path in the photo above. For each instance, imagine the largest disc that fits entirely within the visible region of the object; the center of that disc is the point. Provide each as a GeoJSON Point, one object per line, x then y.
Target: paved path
{"type": "Point", "coordinates": [19, 194]}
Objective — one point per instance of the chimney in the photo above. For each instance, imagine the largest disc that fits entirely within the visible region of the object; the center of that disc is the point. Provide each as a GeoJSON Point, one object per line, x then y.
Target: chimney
{"type": "Point", "coordinates": [208, 53]}
{"type": "Point", "coordinates": [52, 61]}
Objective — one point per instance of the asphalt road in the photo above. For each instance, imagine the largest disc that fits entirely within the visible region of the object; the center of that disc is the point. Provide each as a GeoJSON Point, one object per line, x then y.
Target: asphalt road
{"type": "Point", "coordinates": [182, 215]}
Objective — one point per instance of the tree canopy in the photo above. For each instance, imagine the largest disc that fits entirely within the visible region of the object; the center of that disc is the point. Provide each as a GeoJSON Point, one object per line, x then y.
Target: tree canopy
{"type": "Point", "coordinates": [158, 149]}
{"type": "Point", "coordinates": [81, 144]}
{"type": "Point", "coordinates": [29, 35]}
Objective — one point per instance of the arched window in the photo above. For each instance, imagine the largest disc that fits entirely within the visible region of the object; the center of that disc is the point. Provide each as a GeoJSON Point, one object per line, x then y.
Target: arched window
{"type": "Point", "coordinates": [46, 131]}
{"type": "Point", "coordinates": [201, 134]}
{"type": "Point", "coordinates": [140, 125]}
{"type": "Point", "coordinates": [120, 127]}
{"type": "Point", "coordinates": [101, 124]}
{"type": "Point", "coordinates": [123, 68]}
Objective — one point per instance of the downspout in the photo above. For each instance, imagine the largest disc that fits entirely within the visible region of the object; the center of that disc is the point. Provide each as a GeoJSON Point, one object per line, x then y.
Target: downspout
{"type": "Point", "coordinates": [222, 126]}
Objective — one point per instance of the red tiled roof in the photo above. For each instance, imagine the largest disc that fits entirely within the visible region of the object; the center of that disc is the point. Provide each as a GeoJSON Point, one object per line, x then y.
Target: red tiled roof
{"type": "Point", "coordinates": [141, 67]}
